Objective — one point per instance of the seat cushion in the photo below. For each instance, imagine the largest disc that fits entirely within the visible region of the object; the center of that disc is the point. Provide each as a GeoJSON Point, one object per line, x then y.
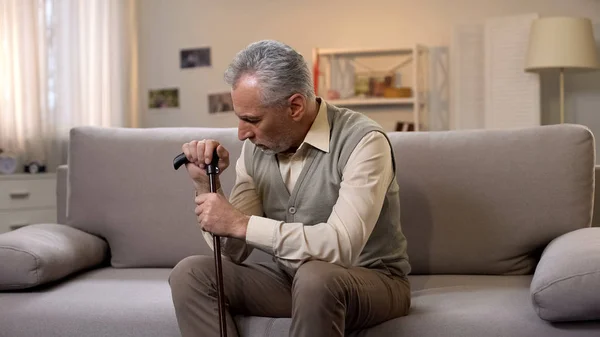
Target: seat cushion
{"type": "Point", "coordinates": [102, 302]}
{"type": "Point", "coordinates": [137, 302]}
{"type": "Point", "coordinates": [475, 306]}
{"type": "Point", "coordinates": [465, 306]}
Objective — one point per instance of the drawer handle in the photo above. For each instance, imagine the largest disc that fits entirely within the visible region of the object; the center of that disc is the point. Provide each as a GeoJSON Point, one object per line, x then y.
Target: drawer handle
{"type": "Point", "coordinates": [19, 195]}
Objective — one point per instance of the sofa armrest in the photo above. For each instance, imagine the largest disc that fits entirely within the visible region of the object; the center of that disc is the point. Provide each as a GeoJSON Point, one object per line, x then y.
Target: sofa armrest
{"type": "Point", "coordinates": [567, 278]}
{"type": "Point", "coordinates": [43, 253]}
{"type": "Point", "coordinates": [61, 193]}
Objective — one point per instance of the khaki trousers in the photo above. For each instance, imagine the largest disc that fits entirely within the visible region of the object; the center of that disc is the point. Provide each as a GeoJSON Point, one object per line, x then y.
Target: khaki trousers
{"type": "Point", "coordinates": [323, 299]}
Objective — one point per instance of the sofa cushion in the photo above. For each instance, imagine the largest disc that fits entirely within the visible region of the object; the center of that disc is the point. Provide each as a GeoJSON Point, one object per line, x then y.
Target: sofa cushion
{"type": "Point", "coordinates": [101, 302]}
{"type": "Point", "coordinates": [566, 284]}
{"type": "Point", "coordinates": [123, 187]}
{"type": "Point", "coordinates": [34, 255]}
{"type": "Point", "coordinates": [489, 201]}
{"type": "Point", "coordinates": [137, 302]}
{"type": "Point", "coordinates": [453, 306]}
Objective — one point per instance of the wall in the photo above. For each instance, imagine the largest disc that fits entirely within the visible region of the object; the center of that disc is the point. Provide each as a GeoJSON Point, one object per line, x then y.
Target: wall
{"type": "Point", "coordinates": [227, 26]}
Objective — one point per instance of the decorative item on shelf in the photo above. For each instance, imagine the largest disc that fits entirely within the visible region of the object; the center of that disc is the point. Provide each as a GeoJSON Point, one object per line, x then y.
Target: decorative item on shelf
{"type": "Point", "coordinates": [403, 92]}
{"type": "Point", "coordinates": [333, 94]}
{"type": "Point", "coordinates": [562, 43]}
{"type": "Point", "coordinates": [405, 126]}
{"type": "Point", "coordinates": [342, 77]}
{"type": "Point", "coordinates": [374, 77]}
{"type": "Point", "coordinates": [361, 85]}
{"type": "Point", "coordinates": [34, 167]}
{"type": "Point", "coordinates": [380, 84]}
{"type": "Point", "coordinates": [8, 162]}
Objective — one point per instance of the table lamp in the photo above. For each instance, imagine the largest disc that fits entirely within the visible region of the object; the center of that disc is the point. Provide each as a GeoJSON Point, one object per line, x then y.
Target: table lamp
{"type": "Point", "coordinates": [561, 43]}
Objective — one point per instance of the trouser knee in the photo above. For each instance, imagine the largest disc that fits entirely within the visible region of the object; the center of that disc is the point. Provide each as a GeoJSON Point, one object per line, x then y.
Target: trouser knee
{"type": "Point", "coordinates": [191, 273]}
{"type": "Point", "coordinates": [318, 281]}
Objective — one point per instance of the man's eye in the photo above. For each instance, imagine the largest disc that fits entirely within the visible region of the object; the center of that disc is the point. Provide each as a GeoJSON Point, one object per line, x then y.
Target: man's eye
{"type": "Point", "coordinates": [253, 121]}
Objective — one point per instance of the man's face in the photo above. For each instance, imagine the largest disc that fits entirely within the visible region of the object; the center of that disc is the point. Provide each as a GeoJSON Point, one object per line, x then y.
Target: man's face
{"type": "Point", "coordinates": [269, 129]}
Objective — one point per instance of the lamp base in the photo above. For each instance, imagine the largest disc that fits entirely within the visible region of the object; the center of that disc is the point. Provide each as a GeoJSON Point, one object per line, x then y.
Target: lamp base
{"type": "Point", "coordinates": [562, 95]}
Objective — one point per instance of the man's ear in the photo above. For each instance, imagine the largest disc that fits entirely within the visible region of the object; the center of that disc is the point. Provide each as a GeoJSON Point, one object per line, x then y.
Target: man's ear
{"type": "Point", "coordinates": [298, 106]}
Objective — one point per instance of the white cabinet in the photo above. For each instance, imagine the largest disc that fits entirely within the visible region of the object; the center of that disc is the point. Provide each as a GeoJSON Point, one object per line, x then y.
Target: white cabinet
{"type": "Point", "coordinates": [394, 77]}
{"type": "Point", "coordinates": [27, 199]}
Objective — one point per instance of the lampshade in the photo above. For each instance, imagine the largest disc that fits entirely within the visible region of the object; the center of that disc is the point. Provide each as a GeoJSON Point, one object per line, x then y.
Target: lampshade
{"type": "Point", "coordinates": [562, 42]}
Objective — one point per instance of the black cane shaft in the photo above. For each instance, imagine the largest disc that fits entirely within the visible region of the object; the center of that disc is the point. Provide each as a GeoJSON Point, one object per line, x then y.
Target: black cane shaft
{"type": "Point", "coordinates": [220, 293]}
{"type": "Point", "coordinates": [212, 170]}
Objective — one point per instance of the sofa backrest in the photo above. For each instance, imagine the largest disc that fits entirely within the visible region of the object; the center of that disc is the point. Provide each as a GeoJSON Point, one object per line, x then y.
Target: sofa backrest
{"type": "Point", "coordinates": [472, 201]}
{"type": "Point", "coordinates": [489, 201]}
{"type": "Point", "coordinates": [123, 187]}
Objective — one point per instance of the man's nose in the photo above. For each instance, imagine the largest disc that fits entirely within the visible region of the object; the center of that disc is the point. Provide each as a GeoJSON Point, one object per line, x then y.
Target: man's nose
{"type": "Point", "coordinates": [243, 131]}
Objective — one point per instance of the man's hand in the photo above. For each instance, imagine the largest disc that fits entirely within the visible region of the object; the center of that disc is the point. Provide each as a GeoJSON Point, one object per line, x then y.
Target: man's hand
{"type": "Point", "coordinates": [199, 154]}
{"type": "Point", "coordinates": [217, 216]}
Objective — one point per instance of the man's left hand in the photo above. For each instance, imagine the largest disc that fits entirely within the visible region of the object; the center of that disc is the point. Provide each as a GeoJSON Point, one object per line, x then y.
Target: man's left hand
{"type": "Point", "coordinates": [217, 216]}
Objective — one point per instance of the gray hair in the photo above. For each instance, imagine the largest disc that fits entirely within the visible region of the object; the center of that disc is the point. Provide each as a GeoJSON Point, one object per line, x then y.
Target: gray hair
{"type": "Point", "coordinates": [280, 71]}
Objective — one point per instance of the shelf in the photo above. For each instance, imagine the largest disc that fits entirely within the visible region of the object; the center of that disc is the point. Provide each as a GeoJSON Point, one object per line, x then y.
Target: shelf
{"type": "Point", "coordinates": [372, 101]}
{"type": "Point", "coordinates": [364, 52]}
{"type": "Point", "coordinates": [333, 69]}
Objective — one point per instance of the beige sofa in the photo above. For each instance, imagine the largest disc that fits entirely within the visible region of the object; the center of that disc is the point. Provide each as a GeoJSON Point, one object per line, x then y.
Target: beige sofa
{"type": "Point", "coordinates": [496, 222]}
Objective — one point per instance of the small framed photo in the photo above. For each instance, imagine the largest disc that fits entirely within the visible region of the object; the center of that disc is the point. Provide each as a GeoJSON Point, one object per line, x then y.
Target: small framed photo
{"type": "Point", "coordinates": [192, 58]}
{"type": "Point", "coordinates": [163, 98]}
{"type": "Point", "coordinates": [220, 102]}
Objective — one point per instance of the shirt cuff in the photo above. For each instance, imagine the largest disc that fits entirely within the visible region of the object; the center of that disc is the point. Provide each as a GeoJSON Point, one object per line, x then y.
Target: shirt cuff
{"type": "Point", "coordinates": [261, 233]}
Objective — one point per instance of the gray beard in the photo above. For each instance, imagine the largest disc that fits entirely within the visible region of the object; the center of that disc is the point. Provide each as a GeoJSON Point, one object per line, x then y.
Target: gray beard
{"type": "Point", "coordinates": [267, 151]}
{"type": "Point", "coordinates": [278, 148]}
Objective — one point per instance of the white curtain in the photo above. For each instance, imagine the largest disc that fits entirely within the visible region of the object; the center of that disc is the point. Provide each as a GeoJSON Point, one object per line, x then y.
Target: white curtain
{"type": "Point", "coordinates": [23, 70]}
{"type": "Point", "coordinates": [74, 63]}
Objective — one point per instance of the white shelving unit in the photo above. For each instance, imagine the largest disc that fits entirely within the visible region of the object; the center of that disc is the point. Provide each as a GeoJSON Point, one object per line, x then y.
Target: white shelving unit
{"type": "Point", "coordinates": [372, 101]}
{"type": "Point", "coordinates": [415, 57]}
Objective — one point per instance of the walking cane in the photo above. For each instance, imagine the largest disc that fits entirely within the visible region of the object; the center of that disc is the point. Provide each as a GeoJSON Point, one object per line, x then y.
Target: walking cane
{"type": "Point", "coordinates": [212, 170]}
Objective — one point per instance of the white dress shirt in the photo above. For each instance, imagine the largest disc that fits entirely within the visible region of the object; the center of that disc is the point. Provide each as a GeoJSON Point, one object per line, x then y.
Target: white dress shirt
{"type": "Point", "coordinates": [366, 178]}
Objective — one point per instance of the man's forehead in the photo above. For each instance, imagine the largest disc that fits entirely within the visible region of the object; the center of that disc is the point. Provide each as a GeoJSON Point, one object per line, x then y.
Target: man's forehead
{"type": "Point", "coordinates": [248, 80]}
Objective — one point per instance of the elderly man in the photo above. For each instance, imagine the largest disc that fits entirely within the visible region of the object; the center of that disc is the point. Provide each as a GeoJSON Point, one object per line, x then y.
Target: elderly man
{"type": "Point", "coordinates": [316, 189]}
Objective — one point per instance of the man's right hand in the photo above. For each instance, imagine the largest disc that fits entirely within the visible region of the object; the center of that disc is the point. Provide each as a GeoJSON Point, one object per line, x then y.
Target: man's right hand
{"type": "Point", "coordinates": [199, 154]}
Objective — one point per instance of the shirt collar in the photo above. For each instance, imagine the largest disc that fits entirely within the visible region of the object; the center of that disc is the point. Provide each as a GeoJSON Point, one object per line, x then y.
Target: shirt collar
{"type": "Point", "coordinates": [318, 134]}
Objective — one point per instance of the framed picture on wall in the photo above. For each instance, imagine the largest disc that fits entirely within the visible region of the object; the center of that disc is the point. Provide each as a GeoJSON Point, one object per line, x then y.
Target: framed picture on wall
{"type": "Point", "coordinates": [192, 58]}
{"type": "Point", "coordinates": [163, 98]}
{"type": "Point", "coordinates": [220, 102]}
